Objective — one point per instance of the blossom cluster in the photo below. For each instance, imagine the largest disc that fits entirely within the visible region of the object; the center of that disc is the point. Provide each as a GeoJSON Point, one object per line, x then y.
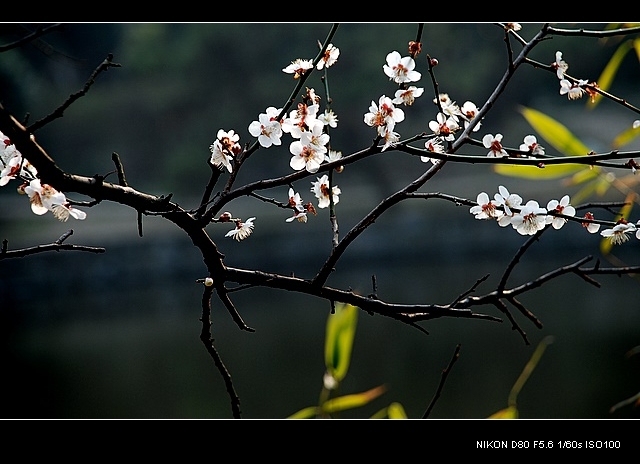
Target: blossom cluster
{"type": "Point", "coordinates": [528, 218]}
{"type": "Point", "coordinates": [308, 126]}
{"type": "Point", "coordinates": [42, 197]}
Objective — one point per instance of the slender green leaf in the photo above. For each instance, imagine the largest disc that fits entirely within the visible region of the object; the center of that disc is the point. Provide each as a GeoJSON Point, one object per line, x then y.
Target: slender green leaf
{"type": "Point", "coordinates": [555, 171]}
{"type": "Point", "coordinates": [554, 133]}
{"type": "Point", "coordinates": [393, 411]}
{"type": "Point", "coordinates": [610, 70]}
{"type": "Point", "coordinates": [396, 411]}
{"type": "Point", "coordinates": [625, 137]}
{"type": "Point", "coordinates": [352, 401]}
{"type": "Point", "coordinates": [306, 413]}
{"type": "Point", "coordinates": [508, 413]}
{"type": "Point", "coordinates": [340, 332]}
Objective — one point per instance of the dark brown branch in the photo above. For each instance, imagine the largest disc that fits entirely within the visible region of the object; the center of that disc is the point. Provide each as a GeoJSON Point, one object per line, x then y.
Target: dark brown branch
{"type": "Point", "coordinates": [207, 339]}
{"type": "Point", "coordinates": [59, 112]}
{"type": "Point", "coordinates": [443, 379]}
{"type": "Point", "coordinates": [498, 303]}
{"type": "Point", "coordinates": [122, 180]}
{"type": "Point", "coordinates": [224, 297]}
{"type": "Point", "coordinates": [39, 32]}
{"type": "Point", "coordinates": [402, 312]}
{"type": "Point", "coordinates": [58, 245]}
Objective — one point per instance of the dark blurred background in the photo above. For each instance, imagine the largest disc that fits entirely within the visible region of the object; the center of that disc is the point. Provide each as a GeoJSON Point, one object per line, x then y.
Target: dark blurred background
{"type": "Point", "coordinates": [116, 335]}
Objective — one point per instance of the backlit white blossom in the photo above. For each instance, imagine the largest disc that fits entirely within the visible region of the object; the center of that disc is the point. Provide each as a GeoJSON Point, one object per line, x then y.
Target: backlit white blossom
{"type": "Point", "coordinates": [267, 128]}
{"type": "Point", "coordinates": [494, 145]}
{"type": "Point", "coordinates": [329, 57]}
{"type": "Point", "coordinates": [572, 90]}
{"type": "Point", "coordinates": [329, 118]}
{"type": "Point", "coordinates": [434, 145]}
{"type": "Point", "coordinates": [321, 191]}
{"type": "Point", "coordinates": [407, 96]}
{"type": "Point", "coordinates": [242, 229]}
{"type": "Point", "coordinates": [383, 116]}
{"type": "Point", "coordinates": [401, 69]}
{"type": "Point", "coordinates": [560, 65]}
{"type": "Point", "coordinates": [507, 201]}
{"type": "Point", "coordinates": [592, 227]}
{"type": "Point", "coordinates": [298, 67]}
{"type": "Point", "coordinates": [469, 111]}
{"type": "Point", "coordinates": [486, 208]}
{"type": "Point", "coordinates": [618, 234]}
{"type": "Point", "coordinates": [561, 207]}
{"type": "Point", "coordinates": [531, 144]}
{"type": "Point", "coordinates": [444, 127]}
{"type": "Point", "coordinates": [530, 219]}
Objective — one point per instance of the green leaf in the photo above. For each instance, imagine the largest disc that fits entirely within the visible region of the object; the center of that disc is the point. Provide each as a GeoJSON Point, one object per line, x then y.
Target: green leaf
{"type": "Point", "coordinates": [508, 413]}
{"type": "Point", "coordinates": [340, 332]}
{"type": "Point", "coordinates": [625, 137]}
{"type": "Point", "coordinates": [610, 70]}
{"type": "Point", "coordinates": [555, 135]}
{"type": "Point", "coordinates": [352, 401]}
{"type": "Point", "coordinates": [306, 413]}
{"type": "Point", "coordinates": [393, 411]}
{"type": "Point", "coordinates": [554, 171]}
{"type": "Point", "coordinates": [396, 411]}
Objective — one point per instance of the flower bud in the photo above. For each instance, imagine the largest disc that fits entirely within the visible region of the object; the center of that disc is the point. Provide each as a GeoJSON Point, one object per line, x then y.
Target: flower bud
{"type": "Point", "coordinates": [433, 62]}
{"type": "Point", "coordinates": [208, 282]}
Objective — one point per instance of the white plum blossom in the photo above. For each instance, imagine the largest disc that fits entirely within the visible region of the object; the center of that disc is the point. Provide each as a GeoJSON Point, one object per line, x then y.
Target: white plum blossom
{"type": "Point", "coordinates": [11, 169]}
{"type": "Point", "coordinates": [573, 90]}
{"type": "Point", "coordinates": [407, 96]}
{"type": "Point", "coordinates": [44, 198]}
{"type": "Point", "coordinates": [329, 57]}
{"type": "Point", "coordinates": [494, 145]}
{"type": "Point", "coordinates": [592, 227]}
{"type": "Point", "coordinates": [219, 156]}
{"type": "Point", "coordinates": [507, 201]}
{"type": "Point", "coordinates": [531, 144]}
{"type": "Point", "coordinates": [444, 127]}
{"type": "Point", "coordinates": [329, 118]}
{"type": "Point", "coordinates": [530, 219]}
{"type": "Point", "coordinates": [267, 128]}
{"type": "Point", "coordinates": [390, 138]}
{"type": "Point", "coordinates": [301, 119]}
{"type": "Point", "coordinates": [560, 65]}
{"type": "Point", "coordinates": [305, 155]}
{"type": "Point", "coordinates": [561, 207]}
{"type": "Point", "coordinates": [298, 67]}
{"type": "Point", "coordinates": [223, 148]}
{"type": "Point", "coordinates": [618, 234]}
{"type": "Point", "coordinates": [242, 229]}
{"type": "Point", "coordinates": [332, 155]}
{"type": "Point", "coordinates": [383, 116]}
{"type": "Point", "coordinates": [400, 69]}
{"type": "Point", "coordinates": [469, 111]}
{"type": "Point", "coordinates": [449, 107]}
{"type": "Point", "coordinates": [486, 208]}
{"type": "Point", "coordinates": [434, 145]}
{"type": "Point", "coordinates": [62, 212]}
{"type": "Point", "coordinates": [321, 191]}
{"type": "Point", "coordinates": [316, 138]}
{"type": "Point", "coordinates": [295, 202]}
